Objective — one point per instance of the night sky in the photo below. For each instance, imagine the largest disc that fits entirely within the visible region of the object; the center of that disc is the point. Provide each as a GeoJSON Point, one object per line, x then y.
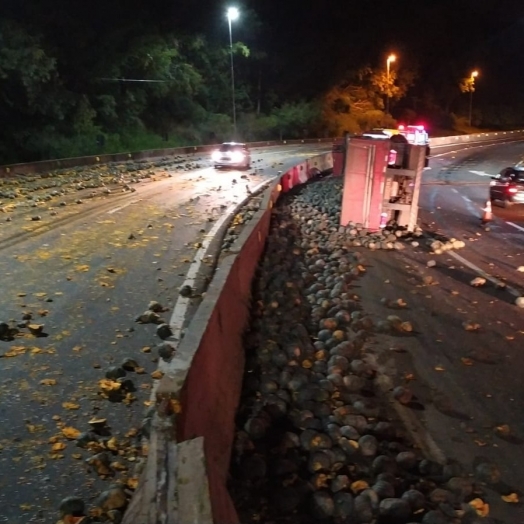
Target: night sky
{"type": "Point", "coordinates": [316, 40]}
{"type": "Point", "coordinates": [444, 38]}
{"type": "Point", "coordinates": [313, 42]}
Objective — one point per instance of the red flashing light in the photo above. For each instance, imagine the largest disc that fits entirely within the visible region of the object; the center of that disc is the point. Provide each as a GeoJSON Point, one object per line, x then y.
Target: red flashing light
{"type": "Point", "coordinates": [392, 158]}
{"type": "Point", "coordinates": [512, 190]}
{"type": "Point", "coordinates": [401, 127]}
{"type": "Point", "coordinates": [420, 128]}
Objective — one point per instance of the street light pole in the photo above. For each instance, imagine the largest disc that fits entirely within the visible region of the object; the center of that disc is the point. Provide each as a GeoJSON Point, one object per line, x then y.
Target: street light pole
{"type": "Point", "coordinates": [474, 75]}
{"type": "Point", "coordinates": [232, 14]}
{"type": "Point", "coordinates": [391, 58]}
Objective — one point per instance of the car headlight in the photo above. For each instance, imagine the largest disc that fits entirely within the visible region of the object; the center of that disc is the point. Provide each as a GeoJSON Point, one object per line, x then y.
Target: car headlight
{"type": "Point", "coordinates": [237, 156]}
{"type": "Point", "coordinates": [215, 155]}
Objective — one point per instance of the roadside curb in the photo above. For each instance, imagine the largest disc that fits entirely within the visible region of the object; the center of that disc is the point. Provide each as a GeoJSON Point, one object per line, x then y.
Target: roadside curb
{"type": "Point", "coordinates": [210, 248]}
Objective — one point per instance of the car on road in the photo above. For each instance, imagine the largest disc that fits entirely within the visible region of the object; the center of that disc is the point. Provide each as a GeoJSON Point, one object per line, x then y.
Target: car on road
{"type": "Point", "coordinates": [507, 188]}
{"type": "Point", "coordinates": [232, 154]}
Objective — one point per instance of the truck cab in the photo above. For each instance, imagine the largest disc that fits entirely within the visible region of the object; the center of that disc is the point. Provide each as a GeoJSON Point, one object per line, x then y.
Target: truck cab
{"type": "Point", "coordinates": [415, 135]}
{"type": "Point", "coordinates": [418, 136]}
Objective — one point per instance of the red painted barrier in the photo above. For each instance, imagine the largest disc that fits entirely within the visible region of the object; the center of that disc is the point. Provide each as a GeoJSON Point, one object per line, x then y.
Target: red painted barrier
{"type": "Point", "coordinates": [287, 181]}
{"type": "Point", "coordinates": [338, 156]}
{"type": "Point", "coordinates": [304, 171]}
{"type": "Point", "coordinates": [206, 376]}
{"type": "Point", "coordinates": [211, 395]}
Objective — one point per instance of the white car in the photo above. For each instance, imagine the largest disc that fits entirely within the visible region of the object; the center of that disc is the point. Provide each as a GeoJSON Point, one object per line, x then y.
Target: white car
{"type": "Point", "coordinates": [232, 154]}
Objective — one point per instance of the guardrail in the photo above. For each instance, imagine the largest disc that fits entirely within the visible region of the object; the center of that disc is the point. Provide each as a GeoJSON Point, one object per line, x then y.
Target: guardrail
{"type": "Point", "coordinates": [50, 165]}
{"type": "Point", "coordinates": [476, 137]}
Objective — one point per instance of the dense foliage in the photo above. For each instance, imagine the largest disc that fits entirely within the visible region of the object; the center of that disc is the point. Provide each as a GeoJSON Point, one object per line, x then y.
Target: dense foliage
{"type": "Point", "coordinates": [79, 78]}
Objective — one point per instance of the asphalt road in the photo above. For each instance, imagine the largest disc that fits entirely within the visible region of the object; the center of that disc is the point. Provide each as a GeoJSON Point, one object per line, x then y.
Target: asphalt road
{"type": "Point", "coordinates": [465, 361]}
{"type": "Point", "coordinates": [88, 271]}
{"type": "Point", "coordinates": [83, 264]}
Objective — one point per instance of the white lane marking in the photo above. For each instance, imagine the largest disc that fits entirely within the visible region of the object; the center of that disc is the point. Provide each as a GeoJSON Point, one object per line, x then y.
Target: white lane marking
{"type": "Point", "coordinates": [182, 304]}
{"type": "Point", "coordinates": [288, 150]}
{"type": "Point", "coordinates": [485, 275]}
{"type": "Point", "coordinates": [472, 208]}
{"type": "Point", "coordinates": [114, 210]}
{"type": "Point", "coordinates": [469, 204]}
{"type": "Point", "coordinates": [443, 154]}
{"type": "Point", "coordinates": [515, 225]}
{"type": "Point", "coordinates": [480, 173]}
{"type": "Point", "coordinates": [432, 199]}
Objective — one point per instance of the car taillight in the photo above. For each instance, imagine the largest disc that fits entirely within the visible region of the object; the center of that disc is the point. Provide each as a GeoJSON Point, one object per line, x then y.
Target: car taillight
{"type": "Point", "coordinates": [512, 190]}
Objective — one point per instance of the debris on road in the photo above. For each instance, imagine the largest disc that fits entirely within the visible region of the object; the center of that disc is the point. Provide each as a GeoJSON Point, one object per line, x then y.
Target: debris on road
{"type": "Point", "coordinates": [477, 282]}
{"type": "Point", "coordinates": [244, 216]}
{"type": "Point", "coordinates": [315, 439]}
{"type": "Point", "coordinates": [469, 325]}
{"type": "Point", "coordinates": [62, 187]}
{"type": "Point", "coordinates": [186, 291]}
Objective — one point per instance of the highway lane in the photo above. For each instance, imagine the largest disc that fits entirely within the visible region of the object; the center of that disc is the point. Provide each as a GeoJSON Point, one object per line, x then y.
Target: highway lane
{"type": "Point", "coordinates": [465, 361]}
{"type": "Point", "coordinates": [42, 201]}
{"type": "Point", "coordinates": [85, 273]}
{"type": "Point", "coordinates": [455, 207]}
{"type": "Point", "coordinates": [86, 280]}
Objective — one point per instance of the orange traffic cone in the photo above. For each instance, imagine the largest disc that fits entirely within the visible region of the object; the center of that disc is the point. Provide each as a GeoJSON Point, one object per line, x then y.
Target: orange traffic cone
{"type": "Point", "coordinates": [487, 213]}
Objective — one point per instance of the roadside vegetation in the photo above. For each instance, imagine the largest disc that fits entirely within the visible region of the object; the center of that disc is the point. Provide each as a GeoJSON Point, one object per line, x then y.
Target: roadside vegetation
{"type": "Point", "coordinates": [130, 85]}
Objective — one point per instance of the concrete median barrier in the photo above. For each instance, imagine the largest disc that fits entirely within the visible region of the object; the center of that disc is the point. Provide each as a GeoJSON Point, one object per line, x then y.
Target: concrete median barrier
{"type": "Point", "coordinates": [197, 397]}
{"type": "Point", "coordinates": [476, 137]}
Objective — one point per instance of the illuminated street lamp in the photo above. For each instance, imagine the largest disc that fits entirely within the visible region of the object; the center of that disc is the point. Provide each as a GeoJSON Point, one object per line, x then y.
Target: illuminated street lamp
{"type": "Point", "coordinates": [391, 58]}
{"type": "Point", "coordinates": [474, 75]}
{"type": "Point", "coordinates": [232, 14]}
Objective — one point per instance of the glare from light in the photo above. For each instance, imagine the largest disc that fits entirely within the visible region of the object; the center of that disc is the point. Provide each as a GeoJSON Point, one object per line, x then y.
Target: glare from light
{"type": "Point", "coordinates": [474, 74]}
{"type": "Point", "coordinates": [391, 58]}
{"type": "Point", "coordinates": [232, 13]}
{"type": "Point", "coordinates": [237, 156]}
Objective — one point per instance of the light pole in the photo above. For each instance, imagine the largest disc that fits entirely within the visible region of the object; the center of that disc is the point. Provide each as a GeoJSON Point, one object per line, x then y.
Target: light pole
{"type": "Point", "coordinates": [232, 14]}
{"type": "Point", "coordinates": [391, 58]}
{"type": "Point", "coordinates": [474, 75]}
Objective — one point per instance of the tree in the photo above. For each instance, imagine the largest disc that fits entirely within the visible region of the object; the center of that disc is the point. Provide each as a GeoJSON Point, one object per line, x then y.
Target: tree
{"type": "Point", "coordinates": [29, 88]}
{"type": "Point", "coordinates": [356, 103]}
{"type": "Point", "coordinates": [467, 85]}
{"type": "Point", "coordinates": [293, 120]}
{"type": "Point", "coordinates": [349, 105]}
{"type": "Point", "coordinates": [394, 85]}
